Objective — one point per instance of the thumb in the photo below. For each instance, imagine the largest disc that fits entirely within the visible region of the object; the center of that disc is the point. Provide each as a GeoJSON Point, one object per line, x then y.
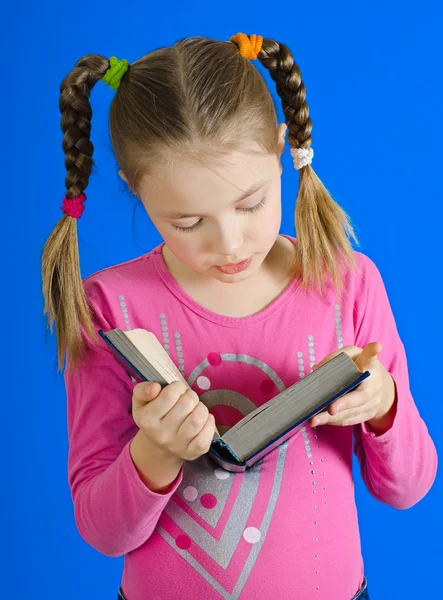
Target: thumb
{"type": "Point", "coordinates": [145, 392]}
{"type": "Point", "coordinates": [151, 389]}
{"type": "Point", "coordinates": [368, 356]}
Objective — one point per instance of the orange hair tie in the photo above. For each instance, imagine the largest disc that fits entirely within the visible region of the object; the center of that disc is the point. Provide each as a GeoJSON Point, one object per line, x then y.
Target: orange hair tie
{"type": "Point", "coordinates": [249, 46]}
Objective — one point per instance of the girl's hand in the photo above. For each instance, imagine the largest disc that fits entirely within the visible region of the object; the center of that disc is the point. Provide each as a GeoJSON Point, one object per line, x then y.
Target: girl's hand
{"type": "Point", "coordinates": [373, 401]}
{"type": "Point", "coordinates": [173, 419]}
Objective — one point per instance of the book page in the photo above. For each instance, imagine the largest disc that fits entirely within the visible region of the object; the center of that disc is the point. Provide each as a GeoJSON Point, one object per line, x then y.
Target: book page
{"type": "Point", "coordinates": [151, 349]}
{"type": "Point", "coordinates": [292, 406]}
{"type": "Point", "coordinates": [147, 343]}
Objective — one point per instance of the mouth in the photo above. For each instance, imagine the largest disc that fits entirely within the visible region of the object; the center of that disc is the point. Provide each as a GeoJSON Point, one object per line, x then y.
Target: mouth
{"type": "Point", "coordinates": [235, 267]}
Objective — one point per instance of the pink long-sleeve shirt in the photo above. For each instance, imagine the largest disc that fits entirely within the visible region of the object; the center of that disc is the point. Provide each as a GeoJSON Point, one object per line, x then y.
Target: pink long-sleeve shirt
{"type": "Point", "coordinates": [287, 528]}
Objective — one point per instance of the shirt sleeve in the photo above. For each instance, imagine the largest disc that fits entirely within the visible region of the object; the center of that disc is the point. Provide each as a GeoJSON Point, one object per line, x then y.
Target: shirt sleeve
{"type": "Point", "coordinates": [400, 465]}
{"type": "Point", "coordinates": [114, 510]}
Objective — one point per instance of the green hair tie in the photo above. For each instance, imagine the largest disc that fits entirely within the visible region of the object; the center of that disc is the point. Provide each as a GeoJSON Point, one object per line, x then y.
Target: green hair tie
{"type": "Point", "coordinates": [115, 72]}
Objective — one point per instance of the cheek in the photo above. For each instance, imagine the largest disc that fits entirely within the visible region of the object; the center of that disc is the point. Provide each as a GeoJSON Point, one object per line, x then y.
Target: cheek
{"type": "Point", "coordinates": [183, 245]}
{"type": "Point", "coordinates": [267, 222]}
{"type": "Point", "coordinates": [275, 213]}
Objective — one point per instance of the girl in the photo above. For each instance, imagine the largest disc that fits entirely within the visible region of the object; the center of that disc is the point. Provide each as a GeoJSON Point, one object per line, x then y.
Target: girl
{"type": "Point", "coordinates": [244, 312]}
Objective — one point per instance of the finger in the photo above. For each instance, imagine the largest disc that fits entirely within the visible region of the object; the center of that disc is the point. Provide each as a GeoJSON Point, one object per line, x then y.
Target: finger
{"type": "Point", "coordinates": [145, 392]}
{"type": "Point", "coordinates": [355, 420]}
{"type": "Point", "coordinates": [167, 399]}
{"type": "Point", "coordinates": [343, 415]}
{"type": "Point", "coordinates": [354, 399]}
{"type": "Point", "coordinates": [319, 419]}
{"type": "Point", "coordinates": [181, 410]}
{"type": "Point", "coordinates": [201, 443]}
{"type": "Point", "coordinates": [348, 405]}
{"type": "Point", "coordinates": [194, 422]}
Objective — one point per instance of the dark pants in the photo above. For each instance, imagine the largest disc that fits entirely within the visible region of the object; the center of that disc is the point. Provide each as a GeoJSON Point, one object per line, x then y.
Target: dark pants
{"type": "Point", "coordinates": [362, 594]}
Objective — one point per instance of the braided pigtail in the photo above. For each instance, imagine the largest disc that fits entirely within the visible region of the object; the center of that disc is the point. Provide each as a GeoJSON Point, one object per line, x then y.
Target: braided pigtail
{"type": "Point", "coordinates": [66, 304]}
{"type": "Point", "coordinates": [323, 227]}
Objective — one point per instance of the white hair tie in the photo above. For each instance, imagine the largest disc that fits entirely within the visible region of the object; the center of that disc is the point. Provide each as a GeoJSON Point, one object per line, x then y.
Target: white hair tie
{"type": "Point", "coordinates": [302, 157]}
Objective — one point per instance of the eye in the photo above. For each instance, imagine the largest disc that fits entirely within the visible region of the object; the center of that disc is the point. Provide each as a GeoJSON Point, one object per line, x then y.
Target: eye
{"type": "Point", "coordinates": [185, 229]}
{"type": "Point", "coordinates": [254, 208]}
{"type": "Point", "coordinates": [192, 227]}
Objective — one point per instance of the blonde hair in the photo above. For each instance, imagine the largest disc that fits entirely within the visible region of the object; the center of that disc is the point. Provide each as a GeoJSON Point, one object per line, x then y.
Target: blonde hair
{"type": "Point", "coordinates": [199, 93]}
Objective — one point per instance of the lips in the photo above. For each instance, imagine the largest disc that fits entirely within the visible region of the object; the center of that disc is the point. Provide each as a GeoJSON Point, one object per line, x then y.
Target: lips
{"type": "Point", "coordinates": [235, 268]}
{"type": "Point", "coordinates": [234, 264]}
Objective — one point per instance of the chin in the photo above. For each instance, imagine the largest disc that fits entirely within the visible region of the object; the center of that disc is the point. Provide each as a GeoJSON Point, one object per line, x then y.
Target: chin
{"type": "Point", "coordinates": [231, 278]}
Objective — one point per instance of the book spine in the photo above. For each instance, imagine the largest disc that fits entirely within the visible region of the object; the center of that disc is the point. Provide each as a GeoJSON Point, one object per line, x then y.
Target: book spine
{"type": "Point", "coordinates": [129, 368]}
{"type": "Point", "coordinates": [227, 465]}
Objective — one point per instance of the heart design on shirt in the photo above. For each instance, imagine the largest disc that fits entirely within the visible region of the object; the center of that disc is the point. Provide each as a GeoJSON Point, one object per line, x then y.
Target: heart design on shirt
{"type": "Point", "coordinates": [218, 522]}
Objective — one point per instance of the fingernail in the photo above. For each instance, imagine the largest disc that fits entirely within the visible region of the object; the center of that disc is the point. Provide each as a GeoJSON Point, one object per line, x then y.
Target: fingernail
{"type": "Point", "coordinates": [149, 388]}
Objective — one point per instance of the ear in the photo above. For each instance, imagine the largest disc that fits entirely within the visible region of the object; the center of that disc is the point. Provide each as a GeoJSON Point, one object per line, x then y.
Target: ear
{"type": "Point", "coordinates": [282, 128]}
{"type": "Point", "coordinates": [121, 174]}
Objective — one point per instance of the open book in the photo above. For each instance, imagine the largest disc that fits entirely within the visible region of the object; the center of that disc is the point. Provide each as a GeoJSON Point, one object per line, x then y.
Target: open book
{"type": "Point", "coordinates": [263, 429]}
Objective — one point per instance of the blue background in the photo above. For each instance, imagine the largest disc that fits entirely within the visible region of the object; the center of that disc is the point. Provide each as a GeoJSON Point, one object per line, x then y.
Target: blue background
{"type": "Point", "coordinates": [373, 78]}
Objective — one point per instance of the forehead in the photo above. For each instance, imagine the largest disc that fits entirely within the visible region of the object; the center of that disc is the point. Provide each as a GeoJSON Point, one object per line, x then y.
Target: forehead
{"type": "Point", "coordinates": [199, 186]}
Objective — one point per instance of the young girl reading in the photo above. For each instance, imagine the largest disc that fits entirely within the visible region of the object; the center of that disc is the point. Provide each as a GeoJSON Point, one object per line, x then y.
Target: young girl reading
{"type": "Point", "coordinates": [244, 312]}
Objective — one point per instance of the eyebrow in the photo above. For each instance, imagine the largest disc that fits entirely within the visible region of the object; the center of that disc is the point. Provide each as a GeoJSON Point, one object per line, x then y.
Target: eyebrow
{"type": "Point", "coordinates": [251, 190]}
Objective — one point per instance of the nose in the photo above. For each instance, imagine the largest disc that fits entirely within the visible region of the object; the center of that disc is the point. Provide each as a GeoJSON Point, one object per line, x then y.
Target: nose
{"type": "Point", "coordinates": [229, 239]}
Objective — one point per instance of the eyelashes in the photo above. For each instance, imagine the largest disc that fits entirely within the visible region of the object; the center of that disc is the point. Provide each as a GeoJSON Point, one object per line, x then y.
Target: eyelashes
{"type": "Point", "coordinates": [185, 229]}
{"type": "Point", "coordinates": [254, 209]}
